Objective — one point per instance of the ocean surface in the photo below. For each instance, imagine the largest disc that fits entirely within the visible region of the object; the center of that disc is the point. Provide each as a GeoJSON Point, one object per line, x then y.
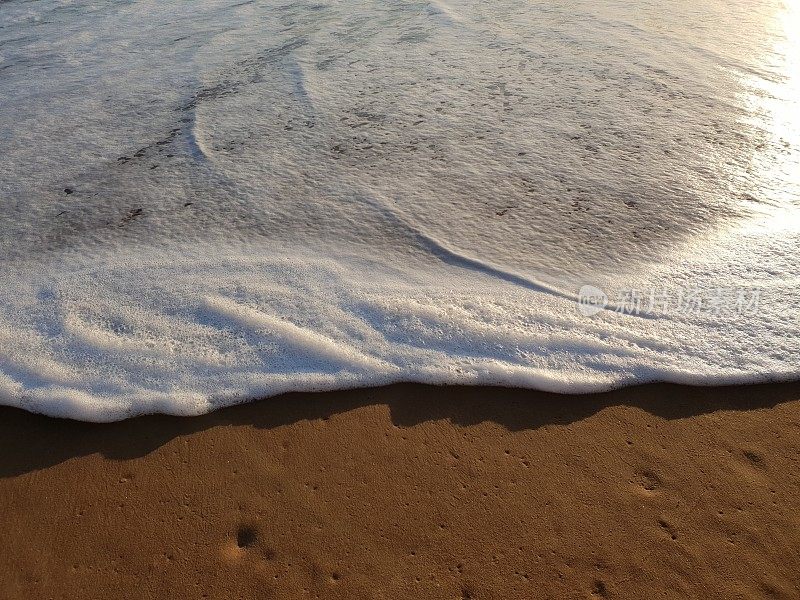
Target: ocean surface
{"type": "Point", "coordinates": [203, 203]}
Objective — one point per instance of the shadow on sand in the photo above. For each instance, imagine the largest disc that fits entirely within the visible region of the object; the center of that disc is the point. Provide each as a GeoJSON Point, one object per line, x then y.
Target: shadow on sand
{"type": "Point", "coordinates": [31, 442]}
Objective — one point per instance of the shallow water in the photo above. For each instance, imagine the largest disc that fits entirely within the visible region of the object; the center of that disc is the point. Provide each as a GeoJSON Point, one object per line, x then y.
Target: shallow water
{"type": "Point", "coordinates": [204, 203]}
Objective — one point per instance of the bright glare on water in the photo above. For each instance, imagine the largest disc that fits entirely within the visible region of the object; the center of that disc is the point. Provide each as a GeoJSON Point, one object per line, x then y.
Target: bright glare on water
{"type": "Point", "coordinates": [774, 100]}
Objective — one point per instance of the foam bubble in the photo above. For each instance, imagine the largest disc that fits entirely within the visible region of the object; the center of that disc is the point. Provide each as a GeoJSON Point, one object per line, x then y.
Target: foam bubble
{"type": "Point", "coordinates": [211, 203]}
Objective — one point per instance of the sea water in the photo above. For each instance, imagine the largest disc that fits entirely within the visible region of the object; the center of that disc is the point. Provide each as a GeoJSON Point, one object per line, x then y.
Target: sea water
{"type": "Point", "coordinates": [203, 203]}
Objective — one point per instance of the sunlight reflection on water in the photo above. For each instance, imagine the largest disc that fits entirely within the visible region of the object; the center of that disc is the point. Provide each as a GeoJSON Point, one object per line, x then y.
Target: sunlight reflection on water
{"type": "Point", "coordinates": [775, 103]}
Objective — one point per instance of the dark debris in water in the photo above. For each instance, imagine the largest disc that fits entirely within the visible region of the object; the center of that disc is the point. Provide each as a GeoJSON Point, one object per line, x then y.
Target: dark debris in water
{"type": "Point", "coordinates": [132, 214]}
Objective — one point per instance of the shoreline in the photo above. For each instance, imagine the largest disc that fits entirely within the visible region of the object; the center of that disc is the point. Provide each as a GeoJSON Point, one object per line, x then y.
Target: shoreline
{"type": "Point", "coordinates": [413, 491]}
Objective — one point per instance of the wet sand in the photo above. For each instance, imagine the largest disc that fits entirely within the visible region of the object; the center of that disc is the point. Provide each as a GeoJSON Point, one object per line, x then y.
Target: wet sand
{"type": "Point", "coordinates": [413, 491]}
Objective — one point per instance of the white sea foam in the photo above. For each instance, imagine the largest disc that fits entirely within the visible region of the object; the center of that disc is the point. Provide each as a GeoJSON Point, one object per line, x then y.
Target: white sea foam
{"type": "Point", "coordinates": [208, 203]}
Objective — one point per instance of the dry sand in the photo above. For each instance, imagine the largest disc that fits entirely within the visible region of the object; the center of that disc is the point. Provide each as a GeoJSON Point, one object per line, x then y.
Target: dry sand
{"type": "Point", "coordinates": [413, 492]}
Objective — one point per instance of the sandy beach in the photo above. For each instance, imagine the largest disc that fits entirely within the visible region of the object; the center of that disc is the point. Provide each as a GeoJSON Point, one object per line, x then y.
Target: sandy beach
{"type": "Point", "coordinates": [212, 209]}
{"type": "Point", "coordinates": [413, 491]}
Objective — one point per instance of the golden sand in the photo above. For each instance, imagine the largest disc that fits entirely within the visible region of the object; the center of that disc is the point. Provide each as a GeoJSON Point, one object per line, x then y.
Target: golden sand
{"type": "Point", "coordinates": [413, 492]}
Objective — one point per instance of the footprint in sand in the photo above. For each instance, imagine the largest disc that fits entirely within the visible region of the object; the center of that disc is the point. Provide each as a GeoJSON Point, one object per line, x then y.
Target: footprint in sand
{"type": "Point", "coordinates": [647, 482]}
{"type": "Point", "coordinates": [246, 537]}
